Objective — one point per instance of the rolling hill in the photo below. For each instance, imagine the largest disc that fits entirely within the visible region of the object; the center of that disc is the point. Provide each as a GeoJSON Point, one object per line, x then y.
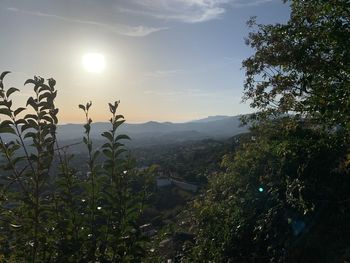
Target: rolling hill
{"type": "Point", "coordinates": [163, 132]}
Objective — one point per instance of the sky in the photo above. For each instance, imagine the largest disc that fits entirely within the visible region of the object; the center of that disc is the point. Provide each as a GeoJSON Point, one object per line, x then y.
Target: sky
{"type": "Point", "coordinates": [165, 60]}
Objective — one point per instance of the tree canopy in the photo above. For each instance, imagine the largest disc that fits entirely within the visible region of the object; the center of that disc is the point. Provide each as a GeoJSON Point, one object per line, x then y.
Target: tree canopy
{"type": "Point", "coordinates": [284, 196]}
{"type": "Point", "coordinates": [303, 66]}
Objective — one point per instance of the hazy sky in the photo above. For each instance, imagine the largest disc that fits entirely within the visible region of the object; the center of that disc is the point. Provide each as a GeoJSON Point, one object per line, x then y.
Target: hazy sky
{"type": "Point", "coordinates": [166, 60]}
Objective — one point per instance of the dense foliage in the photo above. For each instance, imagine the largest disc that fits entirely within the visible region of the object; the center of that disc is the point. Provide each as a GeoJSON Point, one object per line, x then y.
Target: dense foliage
{"type": "Point", "coordinates": [61, 215]}
{"type": "Point", "coordinates": [190, 161]}
{"type": "Point", "coordinates": [284, 196]}
{"type": "Point", "coordinates": [303, 66]}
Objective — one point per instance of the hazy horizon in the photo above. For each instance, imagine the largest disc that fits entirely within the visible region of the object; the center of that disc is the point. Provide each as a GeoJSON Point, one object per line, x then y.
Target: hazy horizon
{"type": "Point", "coordinates": [157, 121]}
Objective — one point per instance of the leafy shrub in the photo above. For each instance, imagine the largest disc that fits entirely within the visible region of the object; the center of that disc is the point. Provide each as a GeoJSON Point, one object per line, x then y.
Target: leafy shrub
{"type": "Point", "coordinates": [48, 213]}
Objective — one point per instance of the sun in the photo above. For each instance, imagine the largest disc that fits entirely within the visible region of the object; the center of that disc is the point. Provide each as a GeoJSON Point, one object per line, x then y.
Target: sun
{"type": "Point", "coordinates": [94, 62]}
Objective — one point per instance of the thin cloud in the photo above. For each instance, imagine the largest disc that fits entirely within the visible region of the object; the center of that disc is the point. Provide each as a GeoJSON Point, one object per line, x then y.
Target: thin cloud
{"type": "Point", "coordinates": [187, 11]}
{"type": "Point", "coordinates": [242, 3]}
{"type": "Point", "coordinates": [126, 30]}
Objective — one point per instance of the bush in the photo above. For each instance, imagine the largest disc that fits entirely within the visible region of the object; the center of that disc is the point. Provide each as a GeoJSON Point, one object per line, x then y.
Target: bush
{"type": "Point", "coordinates": [47, 212]}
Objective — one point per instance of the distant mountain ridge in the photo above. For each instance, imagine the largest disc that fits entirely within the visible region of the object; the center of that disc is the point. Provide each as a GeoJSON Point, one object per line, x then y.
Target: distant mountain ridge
{"type": "Point", "coordinates": [212, 118]}
{"type": "Point", "coordinates": [160, 132]}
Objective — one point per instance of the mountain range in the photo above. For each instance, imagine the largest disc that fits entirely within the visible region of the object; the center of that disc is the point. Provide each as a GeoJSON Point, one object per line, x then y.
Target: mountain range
{"type": "Point", "coordinates": [154, 133]}
{"type": "Point", "coordinates": [162, 132]}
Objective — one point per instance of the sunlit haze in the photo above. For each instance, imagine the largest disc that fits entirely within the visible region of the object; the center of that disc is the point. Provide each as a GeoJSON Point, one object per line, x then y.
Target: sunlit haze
{"type": "Point", "coordinates": [165, 60]}
{"type": "Point", "coordinates": [94, 62]}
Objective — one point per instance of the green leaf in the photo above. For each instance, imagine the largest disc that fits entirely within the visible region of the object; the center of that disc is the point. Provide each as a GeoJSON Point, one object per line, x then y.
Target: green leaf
{"type": "Point", "coordinates": [10, 91]}
{"type": "Point", "coordinates": [116, 104]}
{"type": "Point", "coordinates": [9, 103]}
{"type": "Point", "coordinates": [3, 74]}
{"type": "Point", "coordinates": [6, 123]}
{"type": "Point", "coordinates": [30, 135]}
{"type": "Point", "coordinates": [26, 126]}
{"type": "Point", "coordinates": [6, 112]}
{"type": "Point", "coordinates": [19, 110]}
{"type": "Point", "coordinates": [54, 112]}
{"type": "Point", "coordinates": [44, 95]}
{"type": "Point", "coordinates": [111, 108]}
{"type": "Point", "coordinates": [54, 94]}
{"type": "Point", "coordinates": [33, 124]}
{"type": "Point", "coordinates": [44, 105]}
{"type": "Point", "coordinates": [81, 106]}
{"type": "Point", "coordinates": [55, 119]}
{"type": "Point", "coordinates": [43, 88]}
{"type": "Point", "coordinates": [108, 135]}
{"type": "Point", "coordinates": [87, 128]}
{"type": "Point", "coordinates": [47, 118]}
{"type": "Point", "coordinates": [31, 116]}
{"type": "Point", "coordinates": [107, 153]}
{"type": "Point", "coordinates": [7, 130]}
{"type": "Point", "coordinates": [6, 103]}
{"type": "Point", "coordinates": [122, 137]}
{"type": "Point", "coordinates": [15, 226]}
{"type": "Point", "coordinates": [29, 81]}
{"type": "Point", "coordinates": [117, 117]}
{"type": "Point", "coordinates": [32, 103]}
{"type": "Point", "coordinates": [88, 105]}
{"type": "Point", "coordinates": [117, 124]}
{"type": "Point", "coordinates": [116, 145]}
{"type": "Point", "coordinates": [107, 145]}
{"type": "Point", "coordinates": [42, 114]}
{"type": "Point", "coordinates": [21, 121]}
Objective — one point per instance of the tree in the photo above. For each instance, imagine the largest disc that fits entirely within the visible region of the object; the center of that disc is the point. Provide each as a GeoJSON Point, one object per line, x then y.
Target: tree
{"type": "Point", "coordinates": [303, 66]}
{"type": "Point", "coordinates": [289, 181]}
{"type": "Point", "coordinates": [283, 198]}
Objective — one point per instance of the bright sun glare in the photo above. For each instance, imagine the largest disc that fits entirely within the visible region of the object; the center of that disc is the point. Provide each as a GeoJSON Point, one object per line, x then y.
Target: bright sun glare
{"type": "Point", "coordinates": [94, 62]}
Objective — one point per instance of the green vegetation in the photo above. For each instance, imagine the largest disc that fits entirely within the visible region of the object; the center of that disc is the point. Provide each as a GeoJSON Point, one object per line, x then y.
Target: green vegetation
{"type": "Point", "coordinates": [51, 214]}
{"type": "Point", "coordinates": [284, 196]}
{"type": "Point", "coordinates": [191, 161]}
{"type": "Point", "coordinates": [279, 194]}
{"type": "Point", "coordinates": [303, 66]}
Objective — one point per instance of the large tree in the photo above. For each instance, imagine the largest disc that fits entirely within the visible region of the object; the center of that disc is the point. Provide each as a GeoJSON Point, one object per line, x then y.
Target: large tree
{"type": "Point", "coordinates": [303, 66]}
{"type": "Point", "coordinates": [284, 196]}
